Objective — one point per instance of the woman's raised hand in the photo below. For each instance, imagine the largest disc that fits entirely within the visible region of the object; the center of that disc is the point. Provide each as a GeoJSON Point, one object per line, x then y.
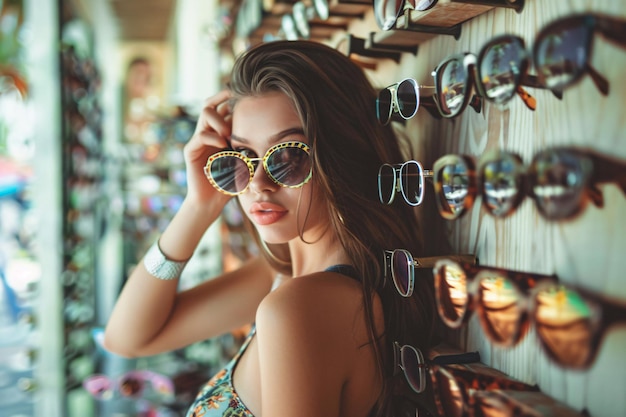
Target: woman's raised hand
{"type": "Point", "coordinates": [211, 135]}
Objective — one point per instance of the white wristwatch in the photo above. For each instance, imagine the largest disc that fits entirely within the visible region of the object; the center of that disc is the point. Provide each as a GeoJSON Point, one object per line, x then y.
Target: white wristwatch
{"type": "Point", "coordinates": [159, 266]}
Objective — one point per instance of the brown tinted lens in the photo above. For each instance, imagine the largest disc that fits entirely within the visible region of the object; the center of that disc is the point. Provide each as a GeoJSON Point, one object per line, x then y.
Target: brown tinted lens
{"type": "Point", "coordinates": [500, 308]}
{"type": "Point", "coordinates": [565, 324]}
{"type": "Point", "coordinates": [558, 180]}
{"type": "Point", "coordinates": [451, 293]}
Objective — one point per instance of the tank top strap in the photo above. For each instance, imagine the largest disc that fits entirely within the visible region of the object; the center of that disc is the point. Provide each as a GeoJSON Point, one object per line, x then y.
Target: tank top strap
{"type": "Point", "coordinates": [344, 269]}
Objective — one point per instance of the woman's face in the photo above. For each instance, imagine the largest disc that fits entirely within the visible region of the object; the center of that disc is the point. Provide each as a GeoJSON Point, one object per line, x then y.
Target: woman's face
{"type": "Point", "coordinates": [278, 213]}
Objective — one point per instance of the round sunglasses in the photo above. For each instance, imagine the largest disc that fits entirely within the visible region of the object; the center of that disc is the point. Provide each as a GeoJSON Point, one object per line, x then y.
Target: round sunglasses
{"type": "Point", "coordinates": [560, 180]}
{"type": "Point", "coordinates": [569, 321]}
{"type": "Point", "coordinates": [131, 384]}
{"type": "Point", "coordinates": [288, 164]}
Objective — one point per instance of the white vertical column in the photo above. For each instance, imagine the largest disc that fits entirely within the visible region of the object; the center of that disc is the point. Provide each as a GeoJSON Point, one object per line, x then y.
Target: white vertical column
{"type": "Point", "coordinates": [197, 73]}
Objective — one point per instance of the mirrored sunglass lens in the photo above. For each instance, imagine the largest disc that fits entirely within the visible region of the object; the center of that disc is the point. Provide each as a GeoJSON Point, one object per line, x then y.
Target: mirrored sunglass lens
{"type": "Point", "coordinates": [383, 106]}
{"type": "Point", "coordinates": [500, 310]}
{"type": "Point", "coordinates": [500, 69]}
{"type": "Point", "coordinates": [501, 186]}
{"type": "Point", "coordinates": [230, 173]}
{"type": "Point", "coordinates": [411, 183]}
{"type": "Point", "coordinates": [402, 272]}
{"type": "Point", "coordinates": [289, 166]}
{"type": "Point", "coordinates": [565, 325]}
{"type": "Point", "coordinates": [453, 81]}
{"type": "Point", "coordinates": [412, 369]}
{"type": "Point", "coordinates": [408, 99]}
{"type": "Point", "coordinates": [454, 181]}
{"type": "Point", "coordinates": [451, 292]}
{"type": "Point", "coordinates": [558, 180]}
{"type": "Point", "coordinates": [561, 56]}
{"type": "Point", "coordinates": [99, 386]}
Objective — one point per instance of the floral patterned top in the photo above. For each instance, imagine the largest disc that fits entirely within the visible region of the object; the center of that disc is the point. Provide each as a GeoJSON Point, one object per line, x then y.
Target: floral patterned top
{"type": "Point", "coordinates": [218, 396]}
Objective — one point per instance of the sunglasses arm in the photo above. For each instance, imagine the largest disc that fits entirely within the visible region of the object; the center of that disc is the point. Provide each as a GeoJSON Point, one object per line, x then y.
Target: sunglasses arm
{"type": "Point", "coordinates": [428, 102]}
{"type": "Point", "coordinates": [612, 28]}
{"type": "Point", "coordinates": [430, 261]}
{"type": "Point", "coordinates": [608, 170]}
{"type": "Point", "coordinates": [533, 82]}
{"type": "Point", "coordinates": [598, 79]}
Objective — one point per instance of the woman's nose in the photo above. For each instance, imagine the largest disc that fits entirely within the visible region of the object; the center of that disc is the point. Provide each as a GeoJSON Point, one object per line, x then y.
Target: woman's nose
{"type": "Point", "coordinates": [261, 181]}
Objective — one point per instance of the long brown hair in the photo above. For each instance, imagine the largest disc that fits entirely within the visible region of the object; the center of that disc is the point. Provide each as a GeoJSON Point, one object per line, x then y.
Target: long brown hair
{"type": "Point", "coordinates": [336, 104]}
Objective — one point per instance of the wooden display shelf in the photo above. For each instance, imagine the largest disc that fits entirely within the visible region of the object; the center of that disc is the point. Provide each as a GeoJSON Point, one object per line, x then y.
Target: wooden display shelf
{"type": "Point", "coordinates": [448, 13]}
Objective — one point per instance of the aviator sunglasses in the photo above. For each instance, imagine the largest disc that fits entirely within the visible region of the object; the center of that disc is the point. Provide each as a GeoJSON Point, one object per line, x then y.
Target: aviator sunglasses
{"type": "Point", "coordinates": [131, 384]}
{"type": "Point", "coordinates": [288, 164]}
{"type": "Point", "coordinates": [570, 321]}
{"type": "Point", "coordinates": [400, 102]}
{"type": "Point", "coordinates": [455, 378]}
{"type": "Point", "coordinates": [406, 178]}
{"type": "Point", "coordinates": [560, 180]}
{"type": "Point", "coordinates": [400, 265]}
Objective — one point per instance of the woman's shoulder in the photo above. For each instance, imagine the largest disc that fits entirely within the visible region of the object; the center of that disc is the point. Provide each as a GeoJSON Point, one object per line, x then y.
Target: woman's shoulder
{"type": "Point", "coordinates": [326, 304]}
{"type": "Point", "coordinates": [318, 291]}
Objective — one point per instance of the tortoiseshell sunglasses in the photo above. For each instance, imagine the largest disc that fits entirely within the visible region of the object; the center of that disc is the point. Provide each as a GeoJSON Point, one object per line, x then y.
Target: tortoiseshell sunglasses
{"type": "Point", "coordinates": [560, 180]}
{"type": "Point", "coordinates": [570, 321]}
{"type": "Point", "coordinates": [561, 54]}
{"type": "Point", "coordinates": [454, 378]}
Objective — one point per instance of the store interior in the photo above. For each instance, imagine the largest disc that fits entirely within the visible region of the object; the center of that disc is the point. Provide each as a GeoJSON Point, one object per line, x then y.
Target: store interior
{"type": "Point", "coordinates": [98, 98]}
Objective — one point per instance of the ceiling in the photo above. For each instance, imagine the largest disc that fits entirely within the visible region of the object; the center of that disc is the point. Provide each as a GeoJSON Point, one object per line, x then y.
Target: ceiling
{"type": "Point", "coordinates": [143, 20]}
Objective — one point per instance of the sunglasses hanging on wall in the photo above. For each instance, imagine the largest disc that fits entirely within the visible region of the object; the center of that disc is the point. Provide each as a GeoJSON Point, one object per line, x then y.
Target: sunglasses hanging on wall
{"type": "Point", "coordinates": [560, 180]}
{"type": "Point", "coordinates": [455, 379]}
{"type": "Point", "coordinates": [570, 321]}
{"type": "Point", "coordinates": [406, 178]}
{"type": "Point", "coordinates": [561, 54]}
{"type": "Point", "coordinates": [399, 265]}
{"type": "Point", "coordinates": [401, 101]}
{"type": "Point", "coordinates": [387, 12]}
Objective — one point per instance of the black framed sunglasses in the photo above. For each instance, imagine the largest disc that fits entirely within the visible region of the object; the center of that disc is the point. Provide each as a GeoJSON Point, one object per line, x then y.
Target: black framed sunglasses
{"type": "Point", "coordinates": [406, 178]}
{"type": "Point", "coordinates": [288, 164]}
{"type": "Point", "coordinates": [400, 101]}
{"type": "Point", "coordinates": [458, 84]}
{"type": "Point", "coordinates": [400, 266]}
{"type": "Point", "coordinates": [570, 321]}
{"type": "Point", "coordinates": [560, 180]}
{"type": "Point", "coordinates": [563, 48]}
{"type": "Point", "coordinates": [455, 378]}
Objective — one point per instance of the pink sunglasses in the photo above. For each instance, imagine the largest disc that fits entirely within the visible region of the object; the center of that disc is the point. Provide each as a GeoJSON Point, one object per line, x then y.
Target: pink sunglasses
{"type": "Point", "coordinates": [131, 384]}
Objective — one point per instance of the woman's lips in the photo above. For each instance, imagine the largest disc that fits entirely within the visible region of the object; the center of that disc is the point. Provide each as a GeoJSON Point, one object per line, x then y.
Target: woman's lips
{"type": "Point", "coordinates": [263, 213]}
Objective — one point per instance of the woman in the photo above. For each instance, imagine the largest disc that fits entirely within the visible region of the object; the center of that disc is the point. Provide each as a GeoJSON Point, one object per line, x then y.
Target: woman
{"type": "Point", "coordinates": [324, 319]}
